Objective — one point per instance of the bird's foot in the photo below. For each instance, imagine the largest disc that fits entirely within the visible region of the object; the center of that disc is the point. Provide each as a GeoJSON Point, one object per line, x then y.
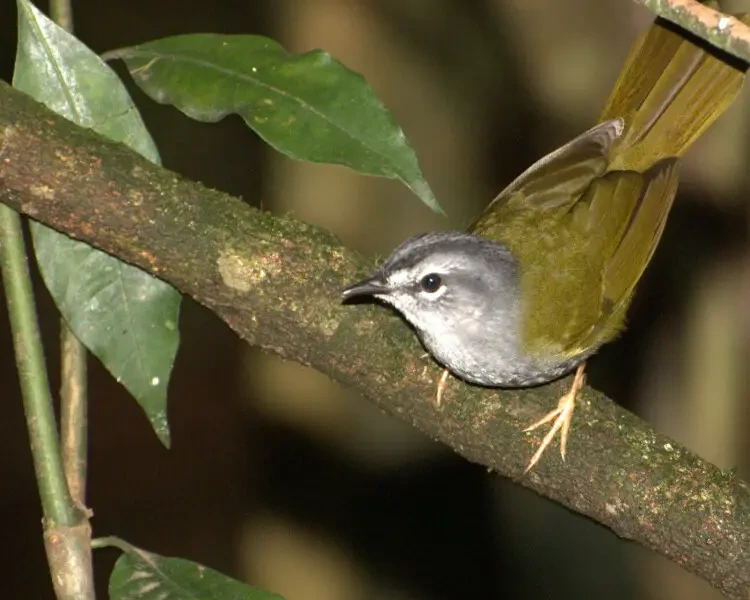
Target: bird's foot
{"type": "Point", "coordinates": [441, 385]}
{"type": "Point", "coordinates": [562, 416]}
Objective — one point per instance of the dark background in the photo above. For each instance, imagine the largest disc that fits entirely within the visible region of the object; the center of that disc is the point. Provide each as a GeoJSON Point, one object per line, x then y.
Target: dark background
{"type": "Point", "coordinates": [279, 477]}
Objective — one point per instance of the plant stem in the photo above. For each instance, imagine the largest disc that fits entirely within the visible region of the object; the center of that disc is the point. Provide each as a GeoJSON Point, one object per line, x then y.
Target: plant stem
{"type": "Point", "coordinates": [73, 390]}
{"type": "Point", "coordinates": [57, 504]}
{"type": "Point", "coordinates": [73, 412]}
{"type": "Point", "coordinates": [69, 549]}
{"type": "Point", "coordinates": [67, 534]}
{"type": "Point", "coordinates": [61, 12]}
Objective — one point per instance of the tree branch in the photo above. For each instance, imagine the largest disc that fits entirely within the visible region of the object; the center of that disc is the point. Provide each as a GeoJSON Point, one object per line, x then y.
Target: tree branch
{"type": "Point", "coordinates": [723, 31]}
{"type": "Point", "coordinates": [277, 282]}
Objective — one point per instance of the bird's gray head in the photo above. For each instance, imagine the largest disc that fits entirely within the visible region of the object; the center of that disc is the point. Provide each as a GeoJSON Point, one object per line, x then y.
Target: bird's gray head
{"type": "Point", "coordinates": [455, 288]}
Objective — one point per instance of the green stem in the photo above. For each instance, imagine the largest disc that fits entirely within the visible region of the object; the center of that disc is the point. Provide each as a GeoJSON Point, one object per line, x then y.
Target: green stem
{"type": "Point", "coordinates": [37, 401]}
{"type": "Point", "coordinates": [111, 541]}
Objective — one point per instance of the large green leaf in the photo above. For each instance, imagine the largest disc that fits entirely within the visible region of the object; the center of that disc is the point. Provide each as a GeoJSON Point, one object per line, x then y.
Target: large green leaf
{"type": "Point", "coordinates": [126, 317]}
{"type": "Point", "coordinates": [141, 575]}
{"type": "Point", "coordinates": [308, 106]}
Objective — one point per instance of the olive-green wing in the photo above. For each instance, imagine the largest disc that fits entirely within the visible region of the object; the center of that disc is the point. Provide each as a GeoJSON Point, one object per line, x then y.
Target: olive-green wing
{"type": "Point", "coordinates": [629, 251]}
{"type": "Point", "coordinates": [544, 217]}
{"type": "Point", "coordinates": [580, 265]}
{"type": "Point", "coordinates": [583, 236]}
{"type": "Point", "coordinates": [556, 180]}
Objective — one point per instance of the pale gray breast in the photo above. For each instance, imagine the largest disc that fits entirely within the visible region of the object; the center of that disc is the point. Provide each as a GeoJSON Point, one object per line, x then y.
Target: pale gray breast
{"type": "Point", "coordinates": [493, 359]}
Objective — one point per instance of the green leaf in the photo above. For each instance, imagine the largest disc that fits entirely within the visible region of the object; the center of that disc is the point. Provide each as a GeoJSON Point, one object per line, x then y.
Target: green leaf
{"type": "Point", "coordinates": [124, 316]}
{"type": "Point", "coordinates": [308, 106]}
{"type": "Point", "coordinates": [141, 575]}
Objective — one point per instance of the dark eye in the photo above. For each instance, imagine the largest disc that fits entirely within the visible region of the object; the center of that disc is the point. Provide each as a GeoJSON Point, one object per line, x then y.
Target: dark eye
{"type": "Point", "coordinates": [431, 283]}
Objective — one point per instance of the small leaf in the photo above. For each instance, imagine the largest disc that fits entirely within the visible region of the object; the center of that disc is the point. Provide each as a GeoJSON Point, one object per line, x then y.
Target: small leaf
{"type": "Point", "coordinates": [141, 575]}
{"type": "Point", "coordinates": [308, 106]}
{"type": "Point", "coordinates": [124, 316]}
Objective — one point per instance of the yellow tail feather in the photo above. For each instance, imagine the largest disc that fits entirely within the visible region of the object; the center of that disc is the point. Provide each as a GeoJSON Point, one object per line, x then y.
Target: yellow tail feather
{"type": "Point", "coordinates": [673, 86]}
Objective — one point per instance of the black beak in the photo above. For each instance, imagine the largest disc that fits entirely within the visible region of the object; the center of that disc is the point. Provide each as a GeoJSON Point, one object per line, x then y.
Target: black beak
{"type": "Point", "coordinates": [369, 287]}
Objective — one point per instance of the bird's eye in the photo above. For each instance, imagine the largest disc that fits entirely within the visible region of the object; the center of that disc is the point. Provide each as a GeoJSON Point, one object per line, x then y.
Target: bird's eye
{"type": "Point", "coordinates": [431, 283]}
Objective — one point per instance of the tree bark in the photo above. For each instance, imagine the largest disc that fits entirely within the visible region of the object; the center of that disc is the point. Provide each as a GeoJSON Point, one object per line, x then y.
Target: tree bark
{"type": "Point", "coordinates": [276, 282]}
{"type": "Point", "coordinates": [719, 29]}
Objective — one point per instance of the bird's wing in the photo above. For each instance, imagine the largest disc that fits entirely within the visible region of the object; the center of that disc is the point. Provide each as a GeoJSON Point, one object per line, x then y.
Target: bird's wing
{"type": "Point", "coordinates": [558, 178]}
{"type": "Point", "coordinates": [629, 251]}
{"type": "Point", "coordinates": [583, 236]}
{"type": "Point", "coordinates": [536, 216]}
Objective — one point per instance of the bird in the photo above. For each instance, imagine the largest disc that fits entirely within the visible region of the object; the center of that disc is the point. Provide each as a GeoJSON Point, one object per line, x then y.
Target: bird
{"type": "Point", "coordinates": [543, 278]}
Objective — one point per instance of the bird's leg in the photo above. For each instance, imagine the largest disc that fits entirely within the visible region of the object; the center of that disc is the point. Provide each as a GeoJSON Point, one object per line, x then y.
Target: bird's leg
{"type": "Point", "coordinates": [442, 382]}
{"type": "Point", "coordinates": [562, 416]}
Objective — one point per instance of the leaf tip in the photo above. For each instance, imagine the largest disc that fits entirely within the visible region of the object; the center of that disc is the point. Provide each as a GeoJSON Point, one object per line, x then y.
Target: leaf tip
{"type": "Point", "coordinates": [160, 426]}
{"type": "Point", "coordinates": [423, 191]}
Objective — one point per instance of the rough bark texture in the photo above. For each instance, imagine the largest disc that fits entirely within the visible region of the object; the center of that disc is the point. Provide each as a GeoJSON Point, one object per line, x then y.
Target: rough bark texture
{"type": "Point", "coordinates": [277, 281]}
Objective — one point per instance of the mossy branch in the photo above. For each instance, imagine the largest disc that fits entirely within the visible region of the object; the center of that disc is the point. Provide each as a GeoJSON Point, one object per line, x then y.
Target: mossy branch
{"type": "Point", "coordinates": [276, 281]}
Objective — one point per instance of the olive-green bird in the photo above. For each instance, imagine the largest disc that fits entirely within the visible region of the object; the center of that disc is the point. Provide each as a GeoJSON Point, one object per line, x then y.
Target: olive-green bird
{"type": "Point", "coordinates": [545, 275]}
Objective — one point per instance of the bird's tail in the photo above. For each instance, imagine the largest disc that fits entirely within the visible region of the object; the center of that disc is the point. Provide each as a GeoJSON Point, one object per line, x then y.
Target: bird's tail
{"type": "Point", "coordinates": [672, 87]}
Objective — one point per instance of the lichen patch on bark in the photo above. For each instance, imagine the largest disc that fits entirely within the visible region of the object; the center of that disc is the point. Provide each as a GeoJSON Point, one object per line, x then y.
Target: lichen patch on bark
{"type": "Point", "coordinates": [242, 272]}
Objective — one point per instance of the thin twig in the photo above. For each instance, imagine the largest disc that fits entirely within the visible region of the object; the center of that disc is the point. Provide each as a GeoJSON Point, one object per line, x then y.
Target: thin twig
{"type": "Point", "coordinates": [723, 31]}
{"type": "Point", "coordinates": [73, 413]}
